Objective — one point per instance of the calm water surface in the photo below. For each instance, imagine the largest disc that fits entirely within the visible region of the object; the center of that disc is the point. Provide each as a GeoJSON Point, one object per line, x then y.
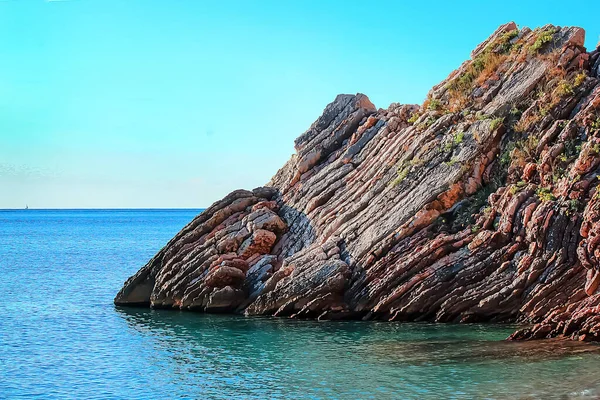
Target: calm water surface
{"type": "Point", "coordinates": [61, 336]}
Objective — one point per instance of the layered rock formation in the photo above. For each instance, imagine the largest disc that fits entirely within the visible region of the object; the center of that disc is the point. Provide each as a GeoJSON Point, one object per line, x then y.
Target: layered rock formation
{"type": "Point", "coordinates": [479, 205]}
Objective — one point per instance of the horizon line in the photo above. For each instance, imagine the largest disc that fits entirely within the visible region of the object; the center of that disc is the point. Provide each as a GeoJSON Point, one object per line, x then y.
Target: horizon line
{"type": "Point", "coordinates": [100, 208]}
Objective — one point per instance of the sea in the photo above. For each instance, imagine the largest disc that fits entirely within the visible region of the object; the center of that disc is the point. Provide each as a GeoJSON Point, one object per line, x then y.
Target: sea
{"type": "Point", "coordinates": [61, 337]}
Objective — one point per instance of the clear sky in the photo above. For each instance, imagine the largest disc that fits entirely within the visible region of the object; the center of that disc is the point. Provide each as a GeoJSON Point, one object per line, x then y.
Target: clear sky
{"type": "Point", "coordinates": [174, 103]}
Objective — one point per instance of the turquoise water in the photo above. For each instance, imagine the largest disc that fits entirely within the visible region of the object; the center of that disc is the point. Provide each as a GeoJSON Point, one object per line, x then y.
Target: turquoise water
{"type": "Point", "coordinates": [61, 336]}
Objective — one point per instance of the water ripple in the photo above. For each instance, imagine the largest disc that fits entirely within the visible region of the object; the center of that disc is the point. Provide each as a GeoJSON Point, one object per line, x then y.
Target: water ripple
{"type": "Point", "coordinates": [61, 337]}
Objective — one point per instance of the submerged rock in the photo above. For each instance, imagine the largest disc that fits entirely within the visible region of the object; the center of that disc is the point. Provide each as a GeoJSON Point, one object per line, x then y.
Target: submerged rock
{"type": "Point", "coordinates": [479, 205]}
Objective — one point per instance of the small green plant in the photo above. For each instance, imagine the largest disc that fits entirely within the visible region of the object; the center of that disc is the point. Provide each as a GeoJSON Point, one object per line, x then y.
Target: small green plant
{"type": "Point", "coordinates": [595, 126]}
{"type": "Point", "coordinates": [579, 79]}
{"type": "Point", "coordinates": [427, 123]}
{"type": "Point", "coordinates": [475, 228]}
{"type": "Point", "coordinates": [573, 206]}
{"type": "Point", "coordinates": [434, 104]}
{"type": "Point", "coordinates": [557, 174]}
{"type": "Point", "coordinates": [458, 138]}
{"type": "Point", "coordinates": [496, 123]}
{"type": "Point", "coordinates": [402, 174]}
{"type": "Point", "coordinates": [404, 169]}
{"type": "Point", "coordinates": [543, 38]}
{"type": "Point", "coordinates": [517, 187]}
{"type": "Point", "coordinates": [506, 158]}
{"type": "Point", "coordinates": [544, 110]}
{"type": "Point", "coordinates": [545, 194]}
{"type": "Point", "coordinates": [451, 162]}
{"type": "Point", "coordinates": [413, 118]}
{"type": "Point", "coordinates": [515, 112]}
{"type": "Point", "coordinates": [505, 45]}
{"type": "Point", "coordinates": [529, 146]}
{"type": "Point", "coordinates": [416, 161]}
{"type": "Point", "coordinates": [564, 88]}
{"type": "Point", "coordinates": [540, 93]}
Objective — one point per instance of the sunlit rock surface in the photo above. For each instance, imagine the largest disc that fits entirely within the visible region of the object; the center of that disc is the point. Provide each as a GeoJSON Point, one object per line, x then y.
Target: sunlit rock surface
{"type": "Point", "coordinates": [479, 205]}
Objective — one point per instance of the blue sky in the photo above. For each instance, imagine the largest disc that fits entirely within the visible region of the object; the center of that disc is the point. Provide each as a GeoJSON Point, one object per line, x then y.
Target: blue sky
{"type": "Point", "coordinates": [174, 103]}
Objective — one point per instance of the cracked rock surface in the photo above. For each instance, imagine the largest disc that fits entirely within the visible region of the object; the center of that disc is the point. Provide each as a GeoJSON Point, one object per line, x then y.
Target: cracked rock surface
{"type": "Point", "coordinates": [479, 205]}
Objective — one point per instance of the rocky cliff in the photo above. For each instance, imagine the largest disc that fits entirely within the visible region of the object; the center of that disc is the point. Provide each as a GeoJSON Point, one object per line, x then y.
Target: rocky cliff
{"type": "Point", "coordinates": [479, 205]}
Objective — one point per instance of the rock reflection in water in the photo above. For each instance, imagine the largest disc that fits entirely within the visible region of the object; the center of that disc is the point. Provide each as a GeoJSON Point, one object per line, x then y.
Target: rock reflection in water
{"type": "Point", "coordinates": [441, 352]}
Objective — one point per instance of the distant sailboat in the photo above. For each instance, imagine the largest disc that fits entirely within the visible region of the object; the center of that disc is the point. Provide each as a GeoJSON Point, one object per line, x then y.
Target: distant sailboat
{"type": "Point", "coordinates": [26, 207]}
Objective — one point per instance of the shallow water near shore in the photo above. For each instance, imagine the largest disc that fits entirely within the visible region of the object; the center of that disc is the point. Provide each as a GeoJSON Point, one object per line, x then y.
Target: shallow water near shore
{"type": "Point", "coordinates": [61, 336]}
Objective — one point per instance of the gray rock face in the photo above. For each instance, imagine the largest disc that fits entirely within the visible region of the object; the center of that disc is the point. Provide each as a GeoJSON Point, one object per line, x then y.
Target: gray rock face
{"type": "Point", "coordinates": [471, 207]}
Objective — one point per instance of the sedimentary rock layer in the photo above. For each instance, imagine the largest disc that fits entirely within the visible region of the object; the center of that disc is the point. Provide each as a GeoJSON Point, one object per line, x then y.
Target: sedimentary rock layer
{"type": "Point", "coordinates": [479, 205]}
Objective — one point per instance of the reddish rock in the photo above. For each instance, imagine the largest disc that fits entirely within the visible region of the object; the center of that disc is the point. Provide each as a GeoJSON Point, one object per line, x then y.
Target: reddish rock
{"type": "Point", "coordinates": [260, 242]}
{"type": "Point", "coordinates": [224, 276]}
{"type": "Point", "coordinates": [529, 171]}
{"type": "Point", "coordinates": [592, 282]}
{"type": "Point", "coordinates": [480, 206]}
